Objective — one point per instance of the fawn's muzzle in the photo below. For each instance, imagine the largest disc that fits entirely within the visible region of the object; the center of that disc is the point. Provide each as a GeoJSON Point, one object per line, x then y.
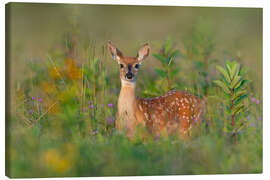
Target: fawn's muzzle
{"type": "Point", "coordinates": [129, 75]}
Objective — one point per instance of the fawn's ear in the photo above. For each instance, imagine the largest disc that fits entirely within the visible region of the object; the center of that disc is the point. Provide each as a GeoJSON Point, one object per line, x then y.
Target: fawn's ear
{"type": "Point", "coordinates": [143, 52]}
{"type": "Point", "coordinates": [116, 54]}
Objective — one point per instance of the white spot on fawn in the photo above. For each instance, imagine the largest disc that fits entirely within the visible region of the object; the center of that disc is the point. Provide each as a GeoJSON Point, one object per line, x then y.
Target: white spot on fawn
{"type": "Point", "coordinates": [146, 115]}
{"type": "Point", "coordinates": [140, 107]}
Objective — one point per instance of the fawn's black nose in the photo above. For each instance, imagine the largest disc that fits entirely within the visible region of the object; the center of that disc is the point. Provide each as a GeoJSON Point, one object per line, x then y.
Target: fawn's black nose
{"type": "Point", "coordinates": [129, 75]}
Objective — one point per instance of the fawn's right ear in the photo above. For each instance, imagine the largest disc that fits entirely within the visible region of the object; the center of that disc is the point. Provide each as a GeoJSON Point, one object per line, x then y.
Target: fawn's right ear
{"type": "Point", "coordinates": [116, 54]}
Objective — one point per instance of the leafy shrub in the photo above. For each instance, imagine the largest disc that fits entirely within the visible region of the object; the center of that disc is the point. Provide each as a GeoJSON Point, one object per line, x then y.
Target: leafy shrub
{"type": "Point", "coordinates": [233, 84]}
{"type": "Point", "coordinates": [167, 55]}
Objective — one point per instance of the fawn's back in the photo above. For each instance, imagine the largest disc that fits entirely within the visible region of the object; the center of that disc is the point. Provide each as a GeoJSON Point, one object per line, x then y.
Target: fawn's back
{"type": "Point", "coordinates": [174, 112]}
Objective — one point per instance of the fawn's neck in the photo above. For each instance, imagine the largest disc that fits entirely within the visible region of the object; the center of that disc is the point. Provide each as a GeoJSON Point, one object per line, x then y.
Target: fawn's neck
{"type": "Point", "coordinates": [126, 118]}
{"type": "Point", "coordinates": [127, 98]}
{"type": "Point", "coordinates": [127, 102]}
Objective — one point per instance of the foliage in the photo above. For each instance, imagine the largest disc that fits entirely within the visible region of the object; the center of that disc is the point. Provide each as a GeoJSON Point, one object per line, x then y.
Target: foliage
{"type": "Point", "coordinates": [167, 56]}
{"type": "Point", "coordinates": [199, 47]}
{"type": "Point", "coordinates": [233, 85]}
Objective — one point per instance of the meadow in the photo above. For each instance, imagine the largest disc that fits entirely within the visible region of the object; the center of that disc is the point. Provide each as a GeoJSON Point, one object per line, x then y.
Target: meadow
{"type": "Point", "coordinates": [63, 86]}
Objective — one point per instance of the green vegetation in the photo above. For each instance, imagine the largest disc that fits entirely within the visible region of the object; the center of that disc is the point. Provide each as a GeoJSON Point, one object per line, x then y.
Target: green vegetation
{"type": "Point", "coordinates": [199, 46]}
{"type": "Point", "coordinates": [167, 57]}
{"type": "Point", "coordinates": [63, 98]}
{"type": "Point", "coordinates": [233, 85]}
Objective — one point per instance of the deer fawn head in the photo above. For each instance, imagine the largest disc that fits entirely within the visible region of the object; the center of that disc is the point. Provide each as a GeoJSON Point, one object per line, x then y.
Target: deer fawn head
{"type": "Point", "coordinates": [129, 66]}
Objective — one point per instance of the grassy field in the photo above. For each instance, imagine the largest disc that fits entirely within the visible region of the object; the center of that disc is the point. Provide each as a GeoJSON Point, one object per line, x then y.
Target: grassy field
{"type": "Point", "coordinates": [63, 89]}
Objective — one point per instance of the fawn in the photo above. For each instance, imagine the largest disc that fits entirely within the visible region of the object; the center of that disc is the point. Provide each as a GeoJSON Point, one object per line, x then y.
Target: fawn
{"type": "Point", "coordinates": [174, 112]}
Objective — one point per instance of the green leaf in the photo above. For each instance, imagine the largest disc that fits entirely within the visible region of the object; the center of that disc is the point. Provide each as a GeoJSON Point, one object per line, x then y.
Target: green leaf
{"type": "Point", "coordinates": [174, 54]}
{"type": "Point", "coordinates": [242, 71]}
{"type": "Point", "coordinates": [170, 61]}
{"type": "Point", "coordinates": [160, 58]}
{"type": "Point", "coordinates": [229, 69]}
{"type": "Point", "coordinates": [238, 94]}
{"type": "Point", "coordinates": [235, 70]}
{"type": "Point", "coordinates": [161, 72]}
{"type": "Point", "coordinates": [240, 98]}
{"type": "Point", "coordinates": [168, 45]}
{"type": "Point", "coordinates": [241, 85]}
{"type": "Point", "coordinates": [237, 109]}
{"type": "Point", "coordinates": [235, 82]}
{"type": "Point", "coordinates": [222, 85]}
{"type": "Point", "coordinates": [224, 73]}
{"type": "Point", "coordinates": [174, 72]}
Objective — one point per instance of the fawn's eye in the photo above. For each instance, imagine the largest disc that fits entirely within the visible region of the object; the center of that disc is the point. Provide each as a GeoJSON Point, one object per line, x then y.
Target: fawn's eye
{"type": "Point", "coordinates": [137, 66]}
{"type": "Point", "coordinates": [121, 66]}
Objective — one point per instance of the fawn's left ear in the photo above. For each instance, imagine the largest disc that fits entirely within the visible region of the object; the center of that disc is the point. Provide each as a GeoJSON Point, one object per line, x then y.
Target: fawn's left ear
{"type": "Point", "coordinates": [143, 52]}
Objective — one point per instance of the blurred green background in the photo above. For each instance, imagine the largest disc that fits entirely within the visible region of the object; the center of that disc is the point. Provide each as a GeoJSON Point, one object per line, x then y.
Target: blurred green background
{"type": "Point", "coordinates": [64, 88]}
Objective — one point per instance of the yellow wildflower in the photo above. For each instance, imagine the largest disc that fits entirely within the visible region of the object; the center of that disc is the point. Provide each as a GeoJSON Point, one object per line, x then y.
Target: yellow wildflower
{"type": "Point", "coordinates": [48, 88]}
{"type": "Point", "coordinates": [57, 162]}
{"type": "Point", "coordinates": [54, 72]}
{"type": "Point", "coordinates": [72, 71]}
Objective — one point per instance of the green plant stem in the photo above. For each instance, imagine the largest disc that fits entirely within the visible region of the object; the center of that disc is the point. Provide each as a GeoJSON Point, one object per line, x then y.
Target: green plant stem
{"type": "Point", "coordinates": [233, 119]}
